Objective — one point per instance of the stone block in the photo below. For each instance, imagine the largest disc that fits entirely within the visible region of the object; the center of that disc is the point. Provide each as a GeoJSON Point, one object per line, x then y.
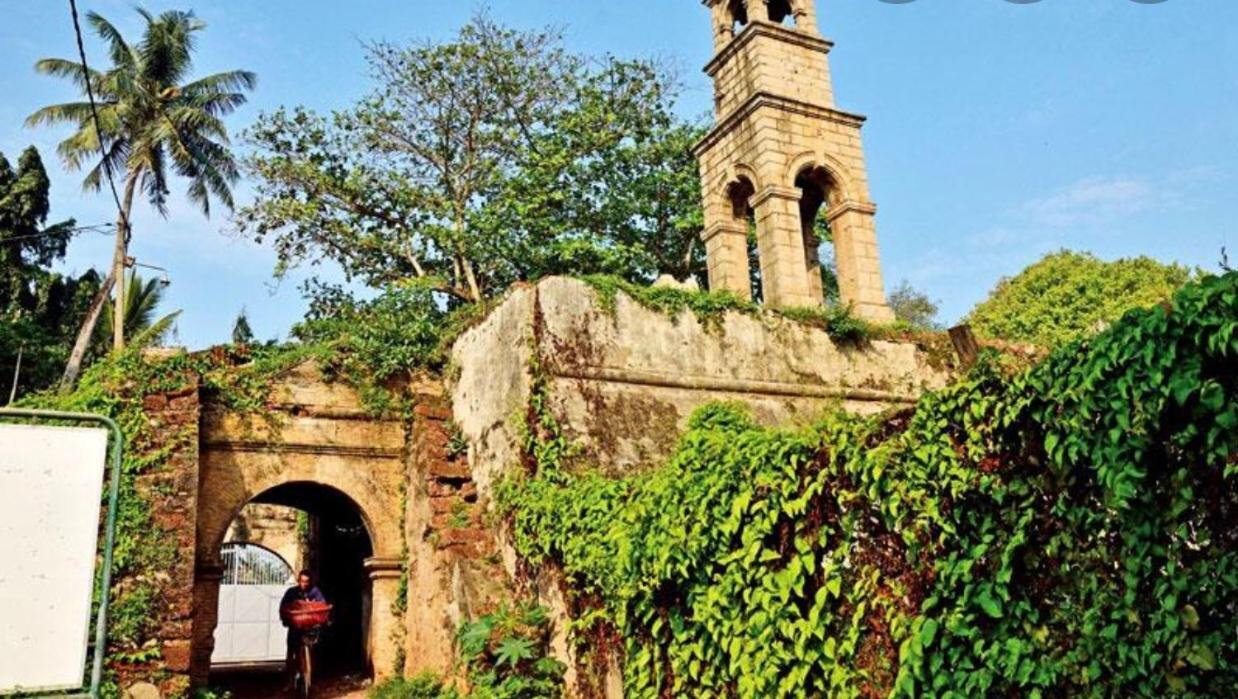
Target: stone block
{"type": "Point", "coordinates": [176, 655]}
{"type": "Point", "coordinates": [432, 412]}
{"type": "Point", "coordinates": [443, 469]}
{"type": "Point", "coordinates": [142, 690]}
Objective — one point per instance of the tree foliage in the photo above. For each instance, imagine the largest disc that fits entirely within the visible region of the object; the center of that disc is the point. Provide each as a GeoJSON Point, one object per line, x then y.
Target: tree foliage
{"type": "Point", "coordinates": [1067, 295]}
{"type": "Point", "coordinates": [39, 308]}
{"type": "Point", "coordinates": [914, 307]}
{"type": "Point", "coordinates": [503, 655]}
{"type": "Point", "coordinates": [494, 157]}
{"type": "Point", "coordinates": [150, 119]}
{"type": "Point", "coordinates": [1067, 531]}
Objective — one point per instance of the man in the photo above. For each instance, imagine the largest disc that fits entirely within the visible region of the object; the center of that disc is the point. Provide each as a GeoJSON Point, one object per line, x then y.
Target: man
{"type": "Point", "coordinates": [303, 591]}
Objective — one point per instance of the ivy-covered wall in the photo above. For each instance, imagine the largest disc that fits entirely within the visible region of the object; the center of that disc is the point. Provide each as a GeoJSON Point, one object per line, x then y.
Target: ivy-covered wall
{"type": "Point", "coordinates": [1067, 530]}
{"type": "Point", "coordinates": [619, 370]}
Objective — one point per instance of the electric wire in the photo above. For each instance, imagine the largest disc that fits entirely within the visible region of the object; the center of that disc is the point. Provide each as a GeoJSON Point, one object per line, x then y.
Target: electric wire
{"type": "Point", "coordinates": [94, 113]}
{"type": "Point", "coordinates": [97, 228]}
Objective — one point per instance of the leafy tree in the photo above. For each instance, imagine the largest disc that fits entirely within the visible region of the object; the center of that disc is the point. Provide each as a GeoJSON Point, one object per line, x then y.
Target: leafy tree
{"type": "Point", "coordinates": [1068, 294]}
{"type": "Point", "coordinates": [150, 122]}
{"type": "Point", "coordinates": [39, 309]}
{"type": "Point", "coordinates": [494, 157]}
{"type": "Point", "coordinates": [26, 246]}
{"type": "Point", "coordinates": [913, 307]}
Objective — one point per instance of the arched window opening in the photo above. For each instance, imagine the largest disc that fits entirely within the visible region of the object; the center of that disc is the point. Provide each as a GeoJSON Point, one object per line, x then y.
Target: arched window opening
{"type": "Point", "coordinates": [781, 12]}
{"type": "Point", "coordinates": [737, 10]}
{"type": "Point", "coordinates": [816, 186]}
{"type": "Point", "coordinates": [740, 194]}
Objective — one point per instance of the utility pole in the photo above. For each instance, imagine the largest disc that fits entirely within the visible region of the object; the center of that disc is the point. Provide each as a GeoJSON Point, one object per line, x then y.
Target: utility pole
{"type": "Point", "coordinates": [121, 261]}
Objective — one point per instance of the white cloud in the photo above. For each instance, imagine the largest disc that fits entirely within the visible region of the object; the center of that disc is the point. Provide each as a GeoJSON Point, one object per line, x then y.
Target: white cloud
{"type": "Point", "coordinates": [1096, 201]}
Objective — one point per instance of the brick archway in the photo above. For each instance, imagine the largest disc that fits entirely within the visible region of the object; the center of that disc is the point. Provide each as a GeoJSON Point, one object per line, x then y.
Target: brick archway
{"type": "Point", "coordinates": [319, 436]}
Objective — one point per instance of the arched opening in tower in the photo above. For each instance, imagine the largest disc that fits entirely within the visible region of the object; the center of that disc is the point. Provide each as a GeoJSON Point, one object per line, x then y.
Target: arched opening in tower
{"type": "Point", "coordinates": [738, 12]}
{"type": "Point", "coordinates": [816, 184]}
{"type": "Point", "coordinates": [306, 526]}
{"type": "Point", "coordinates": [781, 12]}
{"type": "Point", "coordinates": [740, 195]}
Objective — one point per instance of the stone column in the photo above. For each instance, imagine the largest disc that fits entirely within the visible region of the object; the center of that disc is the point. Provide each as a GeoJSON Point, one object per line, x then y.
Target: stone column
{"type": "Point", "coordinates": [855, 255]}
{"type": "Point", "coordinates": [383, 646]}
{"type": "Point", "coordinates": [780, 243]}
{"type": "Point", "coordinates": [207, 577]}
{"type": "Point", "coordinates": [726, 251]}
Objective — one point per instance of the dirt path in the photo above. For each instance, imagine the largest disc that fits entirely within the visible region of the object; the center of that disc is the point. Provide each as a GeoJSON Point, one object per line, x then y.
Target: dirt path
{"type": "Point", "coordinates": [270, 685]}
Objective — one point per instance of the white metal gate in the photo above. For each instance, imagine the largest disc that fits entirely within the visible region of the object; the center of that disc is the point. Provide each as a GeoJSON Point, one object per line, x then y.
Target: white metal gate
{"type": "Point", "coordinates": [249, 630]}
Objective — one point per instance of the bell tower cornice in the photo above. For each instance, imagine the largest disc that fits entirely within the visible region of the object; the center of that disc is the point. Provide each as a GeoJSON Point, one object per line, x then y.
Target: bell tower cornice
{"type": "Point", "coordinates": [756, 30]}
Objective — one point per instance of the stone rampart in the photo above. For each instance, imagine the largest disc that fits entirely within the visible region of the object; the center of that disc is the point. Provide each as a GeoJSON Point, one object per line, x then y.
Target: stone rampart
{"type": "Point", "coordinates": [622, 381]}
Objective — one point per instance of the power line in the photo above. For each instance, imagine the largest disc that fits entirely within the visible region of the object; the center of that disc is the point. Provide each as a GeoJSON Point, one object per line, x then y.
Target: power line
{"type": "Point", "coordinates": [96, 228]}
{"type": "Point", "coordinates": [94, 113]}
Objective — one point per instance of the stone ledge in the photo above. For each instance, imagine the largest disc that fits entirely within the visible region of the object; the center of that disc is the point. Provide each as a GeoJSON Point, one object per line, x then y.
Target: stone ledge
{"type": "Point", "coordinates": [780, 103]}
{"type": "Point", "coordinates": [758, 28]}
{"type": "Point", "coordinates": [722, 385]}
{"type": "Point", "coordinates": [309, 449]}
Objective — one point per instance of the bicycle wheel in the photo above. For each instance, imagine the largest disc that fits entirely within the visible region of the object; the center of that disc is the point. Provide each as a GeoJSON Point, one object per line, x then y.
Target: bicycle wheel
{"type": "Point", "coordinates": [307, 670]}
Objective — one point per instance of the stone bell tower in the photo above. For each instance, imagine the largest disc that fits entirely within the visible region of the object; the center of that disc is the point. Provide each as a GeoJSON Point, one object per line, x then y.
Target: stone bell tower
{"type": "Point", "coordinates": [781, 154]}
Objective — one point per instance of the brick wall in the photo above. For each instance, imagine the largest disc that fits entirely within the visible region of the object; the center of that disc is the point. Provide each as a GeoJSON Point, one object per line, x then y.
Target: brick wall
{"type": "Point", "coordinates": [170, 487]}
{"type": "Point", "coordinates": [456, 523]}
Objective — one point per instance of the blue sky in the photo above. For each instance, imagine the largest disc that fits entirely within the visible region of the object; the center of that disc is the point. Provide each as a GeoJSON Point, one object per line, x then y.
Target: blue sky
{"type": "Point", "coordinates": [997, 131]}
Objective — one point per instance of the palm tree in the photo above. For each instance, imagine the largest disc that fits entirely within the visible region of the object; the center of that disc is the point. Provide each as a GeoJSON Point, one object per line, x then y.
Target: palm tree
{"type": "Point", "coordinates": [140, 307]}
{"type": "Point", "coordinates": [149, 120]}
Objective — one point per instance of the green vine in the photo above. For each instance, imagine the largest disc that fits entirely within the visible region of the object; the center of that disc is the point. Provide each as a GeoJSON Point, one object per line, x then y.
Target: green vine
{"type": "Point", "coordinates": [1065, 531]}
{"type": "Point", "coordinates": [503, 655]}
{"type": "Point", "coordinates": [710, 307]}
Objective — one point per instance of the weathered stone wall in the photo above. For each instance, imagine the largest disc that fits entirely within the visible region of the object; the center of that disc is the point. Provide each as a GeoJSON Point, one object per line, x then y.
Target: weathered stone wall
{"type": "Point", "coordinates": [622, 383]}
{"type": "Point", "coordinates": [170, 488]}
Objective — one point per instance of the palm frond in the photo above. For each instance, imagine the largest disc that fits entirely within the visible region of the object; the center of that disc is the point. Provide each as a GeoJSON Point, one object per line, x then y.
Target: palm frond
{"type": "Point", "coordinates": [218, 104]}
{"type": "Point", "coordinates": [227, 81]}
{"type": "Point", "coordinates": [156, 332]}
{"type": "Point", "coordinates": [113, 162]}
{"type": "Point", "coordinates": [142, 299]}
{"type": "Point", "coordinates": [167, 47]}
{"type": "Point", "coordinates": [193, 119]}
{"type": "Point", "coordinates": [118, 49]}
{"type": "Point", "coordinates": [155, 180]}
{"type": "Point", "coordinates": [71, 112]}
{"type": "Point", "coordinates": [64, 68]}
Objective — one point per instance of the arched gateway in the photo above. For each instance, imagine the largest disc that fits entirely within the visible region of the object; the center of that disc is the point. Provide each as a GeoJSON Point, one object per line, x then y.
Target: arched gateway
{"type": "Point", "coordinates": [321, 453]}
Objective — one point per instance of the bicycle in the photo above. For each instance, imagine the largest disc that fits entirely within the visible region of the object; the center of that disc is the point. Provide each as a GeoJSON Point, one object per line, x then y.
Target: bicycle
{"type": "Point", "coordinates": [308, 618]}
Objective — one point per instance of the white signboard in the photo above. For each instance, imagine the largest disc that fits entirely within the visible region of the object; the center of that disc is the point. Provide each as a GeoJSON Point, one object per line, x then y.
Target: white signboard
{"type": "Point", "coordinates": [51, 479]}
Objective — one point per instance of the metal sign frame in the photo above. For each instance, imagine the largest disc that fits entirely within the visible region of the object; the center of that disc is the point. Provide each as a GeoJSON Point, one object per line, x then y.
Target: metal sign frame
{"type": "Point", "coordinates": [116, 451]}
